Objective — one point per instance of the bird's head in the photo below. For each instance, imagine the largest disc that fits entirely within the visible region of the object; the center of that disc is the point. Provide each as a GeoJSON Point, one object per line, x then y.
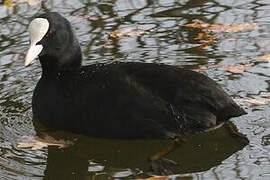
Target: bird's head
{"type": "Point", "coordinates": [53, 41]}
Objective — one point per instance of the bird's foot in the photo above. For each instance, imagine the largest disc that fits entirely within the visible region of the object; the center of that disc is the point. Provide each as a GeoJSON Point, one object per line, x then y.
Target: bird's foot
{"type": "Point", "coordinates": [162, 166]}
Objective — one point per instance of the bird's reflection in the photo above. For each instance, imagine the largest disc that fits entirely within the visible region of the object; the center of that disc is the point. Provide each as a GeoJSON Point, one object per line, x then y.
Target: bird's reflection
{"type": "Point", "coordinates": [199, 152]}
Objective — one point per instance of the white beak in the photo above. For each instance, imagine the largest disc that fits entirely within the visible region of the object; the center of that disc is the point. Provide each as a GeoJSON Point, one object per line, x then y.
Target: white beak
{"type": "Point", "coordinates": [37, 30]}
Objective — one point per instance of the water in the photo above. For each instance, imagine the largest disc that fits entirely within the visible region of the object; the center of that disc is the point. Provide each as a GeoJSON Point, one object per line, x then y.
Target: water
{"type": "Point", "coordinates": [206, 156]}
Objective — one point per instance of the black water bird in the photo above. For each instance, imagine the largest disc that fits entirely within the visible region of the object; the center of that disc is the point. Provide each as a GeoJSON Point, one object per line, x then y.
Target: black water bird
{"type": "Point", "coordinates": [127, 100]}
{"type": "Point", "coordinates": [119, 99]}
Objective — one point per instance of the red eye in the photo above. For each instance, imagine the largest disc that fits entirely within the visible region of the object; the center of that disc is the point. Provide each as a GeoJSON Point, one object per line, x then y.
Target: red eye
{"type": "Point", "coordinates": [49, 34]}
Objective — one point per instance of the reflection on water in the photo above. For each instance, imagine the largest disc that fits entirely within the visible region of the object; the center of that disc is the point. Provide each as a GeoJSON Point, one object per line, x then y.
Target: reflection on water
{"type": "Point", "coordinates": [167, 41]}
{"type": "Point", "coordinates": [103, 158]}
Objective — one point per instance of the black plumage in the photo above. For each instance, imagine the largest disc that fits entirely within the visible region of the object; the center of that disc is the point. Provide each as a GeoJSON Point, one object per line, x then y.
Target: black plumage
{"type": "Point", "coordinates": [122, 99]}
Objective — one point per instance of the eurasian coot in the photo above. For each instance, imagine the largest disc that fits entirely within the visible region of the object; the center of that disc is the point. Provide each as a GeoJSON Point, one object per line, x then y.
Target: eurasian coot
{"type": "Point", "coordinates": [118, 99]}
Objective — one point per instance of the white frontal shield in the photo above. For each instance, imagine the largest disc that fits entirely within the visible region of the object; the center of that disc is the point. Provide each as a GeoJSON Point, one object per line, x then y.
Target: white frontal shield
{"type": "Point", "coordinates": [37, 30]}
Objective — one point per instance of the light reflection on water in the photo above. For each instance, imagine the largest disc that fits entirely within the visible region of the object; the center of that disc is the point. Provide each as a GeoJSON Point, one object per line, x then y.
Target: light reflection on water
{"type": "Point", "coordinates": [169, 42]}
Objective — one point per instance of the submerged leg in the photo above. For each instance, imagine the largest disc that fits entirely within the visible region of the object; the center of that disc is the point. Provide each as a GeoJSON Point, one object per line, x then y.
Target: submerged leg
{"type": "Point", "coordinates": [160, 165]}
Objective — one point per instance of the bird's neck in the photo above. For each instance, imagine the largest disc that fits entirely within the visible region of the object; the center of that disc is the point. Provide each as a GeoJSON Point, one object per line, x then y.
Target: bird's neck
{"type": "Point", "coordinates": [53, 68]}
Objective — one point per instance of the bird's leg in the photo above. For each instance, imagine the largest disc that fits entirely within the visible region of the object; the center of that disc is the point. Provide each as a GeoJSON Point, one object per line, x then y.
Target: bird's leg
{"type": "Point", "coordinates": [160, 165]}
{"type": "Point", "coordinates": [164, 152]}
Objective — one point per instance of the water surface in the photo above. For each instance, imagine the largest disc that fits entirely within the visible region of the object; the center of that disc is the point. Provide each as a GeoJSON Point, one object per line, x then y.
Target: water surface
{"type": "Point", "coordinates": [206, 156]}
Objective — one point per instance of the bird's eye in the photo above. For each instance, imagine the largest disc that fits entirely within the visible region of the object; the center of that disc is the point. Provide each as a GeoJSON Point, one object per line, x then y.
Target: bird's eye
{"type": "Point", "coordinates": [49, 34]}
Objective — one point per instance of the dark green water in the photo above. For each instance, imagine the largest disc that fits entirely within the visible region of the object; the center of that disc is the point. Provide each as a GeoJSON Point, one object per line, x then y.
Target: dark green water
{"type": "Point", "coordinates": [215, 155]}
